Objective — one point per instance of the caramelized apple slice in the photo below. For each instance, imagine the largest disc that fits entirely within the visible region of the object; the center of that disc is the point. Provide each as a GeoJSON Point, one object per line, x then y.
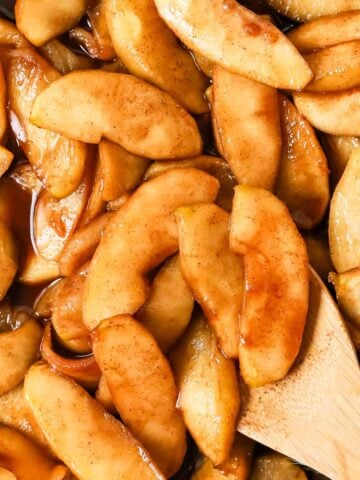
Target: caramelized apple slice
{"type": "Point", "coordinates": [6, 474]}
{"type": "Point", "coordinates": [276, 276]}
{"type": "Point", "coordinates": [305, 10]}
{"type": "Point", "coordinates": [213, 272]}
{"type": "Point", "coordinates": [88, 105]}
{"type": "Point", "coordinates": [103, 396]}
{"type": "Point", "coordinates": [338, 150]}
{"type": "Point", "coordinates": [209, 393]}
{"type": "Point", "coordinates": [275, 466]}
{"type": "Point", "coordinates": [10, 35]}
{"type": "Point", "coordinates": [64, 59]}
{"type": "Point", "coordinates": [122, 259]}
{"type": "Point", "coordinates": [60, 406]}
{"type": "Point", "coordinates": [9, 258]}
{"type": "Point", "coordinates": [347, 287]}
{"type": "Point", "coordinates": [6, 158]}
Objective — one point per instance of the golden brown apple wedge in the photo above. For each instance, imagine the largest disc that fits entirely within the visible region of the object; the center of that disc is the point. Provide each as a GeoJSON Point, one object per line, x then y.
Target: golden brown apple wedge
{"type": "Point", "coordinates": [344, 218]}
{"type": "Point", "coordinates": [274, 466]}
{"type": "Point", "coordinates": [18, 351]}
{"type": "Point", "coordinates": [9, 258]}
{"type": "Point", "coordinates": [209, 394]}
{"type": "Point", "coordinates": [213, 272]}
{"type": "Point", "coordinates": [42, 20]}
{"type": "Point", "coordinates": [245, 111]}
{"type": "Point", "coordinates": [135, 371]}
{"type": "Point", "coordinates": [103, 396]}
{"type": "Point", "coordinates": [335, 68]}
{"type": "Point", "coordinates": [44, 303]}
{"type": "Point", "coordinates": [123, 260]}
{"type": "Point", "coordinates": [36, 270]}
{"type": "Point", "coordinates": [252, 46]}
{"type": "Point", "coordinates": [236, 467]}
{"type": "Point", "coordinates": [276, 276]}
{"type": "Point", "coordinates": [10, 35]}
{"type": "Point", "coordinates": [167, 311]}
{"type": "Point", "coordinates": [338, 150]}
{"type": "Point", "coordinates": [151, 52]}
{"type": "Point", "coordinates": [6, 158]}
{"type": "Point", "coordinates": [303, 179]}
{"type": "Point", "coordinates": [25, 459]}
{"type": "Point", "coordinates": [3, 104]}
{"type": "Point", "coordinates": [88, 105]}
{"type": "Point", "coordinates": [319, 254]}
{"type": "Point", "coordinates": [326, 31]}
{"type": "Point", "coordinates": [57, 161]}
{"type": "Point", "coordinates": [305, 10]}
{"type": "Point", "coordinates": [347, 287]}
{"type": "Point", "coordinates": [336, 113]}
{"type": "Point", "coordinates": [6, 474]}
{"type": "Point", "coordinates": [215, 166]}
{"type": "Point", "coordinates": [63, 58]}
{"type": "Point", "coordinates": [100, 447]}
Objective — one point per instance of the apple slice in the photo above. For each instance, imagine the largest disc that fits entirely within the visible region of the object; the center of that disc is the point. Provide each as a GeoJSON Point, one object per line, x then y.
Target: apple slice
{"type": "Point", "coordinates": [6, 158]}
{"type": "Point", "coordinates": [305, 10]}
{"type": "Point", "coordinates": [276, 276]}
{"type": "Point", "coordinates": [6, 474]}
{"type": "Point", "coordinates": [252, 46]}
{"type": "Point", "coordinates": [36, 270]}
{"type": "Point", "coordinates": [303, 180]}
{"type": "Point", "coordinates": [63, 58]}
{"type": "Point", "coordinates": [92, 443]}
{"type": "Point", "coordinates": [9, 258]}
{"type": "Point", "coordinates": [213, 272]}
{"type": "Point", "coordinates": [42, 20]}
{"type": "Point", "coordinates": [167, 311]}
{"type": "Point", "coordinates": [245, 111]}
{"type": "Point", "coordinates": [91, 104]}
{"type": "Point", "coordinates": [209, 393]}
{"type": "Point", "coordinates": [336, 113]}
{"type": "Point", "coordinates": [18, 351]}
{"type": "Point", "coordinates": [3, 111]}
{"type": "Point", "coordinates": [10, 35]}
{"type": "Point", "coordinates": [123, 260]}
{"type": "Point", "coordinates": [347, 287]}
{"type": "Point", "coordinates": [338, 150]}
{"type": "Point", "coordinates": [151, 52]}
{"type": "Point", "coordinates": [103, 396]}
{"type": "Point", "coordinates": [135, 371]}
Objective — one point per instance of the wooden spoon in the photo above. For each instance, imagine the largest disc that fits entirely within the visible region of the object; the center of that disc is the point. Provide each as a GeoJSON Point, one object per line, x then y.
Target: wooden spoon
{"type": "Point", "coordinates": [313, 415]}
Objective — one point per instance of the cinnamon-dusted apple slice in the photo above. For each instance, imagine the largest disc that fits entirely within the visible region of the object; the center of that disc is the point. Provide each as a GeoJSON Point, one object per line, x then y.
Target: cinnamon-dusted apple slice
{"type": "Point", "coordinates": [276, 277]}
{"type": "Point", "coordinates": [209, 392]}
{"type": "Point", "coordinates": [152, 52]}
{"type": "Point", "coordinates": [245, 111]}
{"type": "Point", "coordinates": [122, 259]}
{"type": "Point", "coordinates": [100, 447]}
{"type": "Point", "coordinates": [305, 10]}
{"type": "Point", "coordinates": [303, 180]}
{"type": "Point", "coordinates": [337, 113]}
{"type": "Point", "coordinates": [213, 272]}
{"type": "Point", "coordinates": [90, 104]}
{"type": "Point", "coordinates": [252, 46]}
{"type": "Point", "coordinates": [143, 389]}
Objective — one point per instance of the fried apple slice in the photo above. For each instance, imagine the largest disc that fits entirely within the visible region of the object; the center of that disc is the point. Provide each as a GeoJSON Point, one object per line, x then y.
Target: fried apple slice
{"type": "Point", "coordinates": [276, 276]}
{"type": "Point", "coordinates": [36, 270]}
{"type": "Point", "coordinates": [60, 406]}
{"type": "Point", "coordinates": [124, 109]}
{"type": "Point", "coordinates": [213, 272]}
{"type": "Point", "coordinates": [344, 218]}
{"type": "Point", "coordinates": [215, 166]}
{"type": "Point", "coordinates": [167, 311]}
{"type": "Point", "coordinates": [57, 161]}
{"type": "Point", "coordinates": [305, 10]}
{"type": "Point", "coordinates": [275, 466]}
{"type": "Point", "coordinates": [347, 287]}
{"type": "Point", "coordinates": [319, 254]}
{"type": "Point", "coordinates": [336, 113]}
{"type": "Point", "coordinates": [6, 474]}
{"type": "Point", "coordinates": [303, 180]}
{"type": "Point", "coordinates": [151, 52]}
{"type": "Point", "coordinates": [326, 31]}
{"type": "Point", "coordinates": [236, 467]}
{"type": "Point", "coordinates": [10, 35]}
{"type": "Point", "coordinates": [6, 158]}
{"type": "Point", "coordinates": [335, 68]}
{"type": "Point", "coordinates": [18, 351]}
{"type": "Point", "coordinates": [3, 112]}
{"type": "Point", "coordinates": [244, 111]}
{"type": "Point", "coordinates": [42, 20]}
{"type": "Point", "coordinates": [103, 396]}
{"type": "Point", "coordinates": [63, 58]}
{"type": "Point", "coordinates": [252, 46]}
{"type": "Point", "coordinates": [25, 459]}
{"type": "Point", "coordinates": [44, 303]}
{"type": "Point", "coordinates": [135, 370]}
{"type": "Point", "coordinates": [9, 258]}
{"type": "Point", "coordinates": [209, 394]}
{"type": "Point", "coordinates": [338, 150]}
{"type": "Point", "coordinates": [124, 260]}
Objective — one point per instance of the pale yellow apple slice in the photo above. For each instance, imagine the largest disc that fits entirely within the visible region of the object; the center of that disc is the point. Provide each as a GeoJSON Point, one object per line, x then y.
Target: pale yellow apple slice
{"type": "Point", "coordinates": [336, 113]}
{"type": "Point", "coordinates": [92, 443]}
{"type": "Point", "coordinates": [338, 149]}
{"type": "Point", "coordinates": [276, 277]}
{"type": "Point", "coordinates": [246, 119]}
{"type": "Point", "coordinates": [26, 460]}
{"type": "Point", "coordinates": [237, 39]}
{"type": "Point", "coordinates": [139, 237]}
{"type": "Point", "coordinates": [91, 104]}
{"type": "Point", "coordinates": [303, 179]}
{"type": "Point", "coordinates": [326, 31]}
{"type": "Point", "coordinates": [36, 270]}
{"type": "Point", "coordinates": [305, 10]}
{"type": "Point", "coordinates": [149, 50]}
{"type": "Point", "coordinates": [209, 393]}
{"type": "Point", "coordinates": [57, 161]}
{"type": "Point", "coordinates": [42, 20]}
{"type": "Point", "coordinates": [347, 287]}
{"type": "Point", "coordinates": [9, 258]}
{"type": "Point", "coordinates": [136, 371]}
{"type": "Point", "coordinates": [103, 396]}
{"type": "Point", "coordinates": [167, 311]}
{"type": "Point", "coordinates": [213, 272]}
{"type": "Point", "coordinates": [344, 218]}
{"type": "Point", "coordinates": [18, 351]}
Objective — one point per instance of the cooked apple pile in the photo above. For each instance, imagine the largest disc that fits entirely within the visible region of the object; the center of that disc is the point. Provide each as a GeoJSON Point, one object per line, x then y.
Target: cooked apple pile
{"type": "Point", "coordinates": [164, 185]}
